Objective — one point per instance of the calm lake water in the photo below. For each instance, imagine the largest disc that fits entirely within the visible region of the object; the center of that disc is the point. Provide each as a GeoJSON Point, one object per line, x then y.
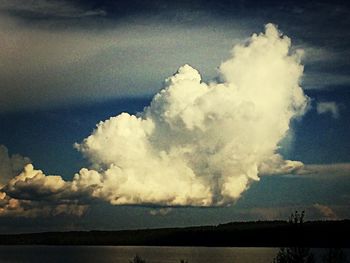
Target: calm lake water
{"type": "Point", "coordinates": [122, 254]}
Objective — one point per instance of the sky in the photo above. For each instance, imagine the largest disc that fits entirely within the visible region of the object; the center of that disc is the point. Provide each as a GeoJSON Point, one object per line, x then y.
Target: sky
{"type": "Point", "coordinates": [144, 114]}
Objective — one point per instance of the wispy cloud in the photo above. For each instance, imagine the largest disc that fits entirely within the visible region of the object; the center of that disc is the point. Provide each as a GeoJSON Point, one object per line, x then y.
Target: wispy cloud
{"type": "Point", "coordinates": [47, 8]}
{"type": "Point", "coordinates": [60, 61]}
{"type": "Point", "coordinates": [51, 66]}
{"type": "Point", "coordinates": [325, 171]}
{"type": "Point", "coordinates": [328, 107]}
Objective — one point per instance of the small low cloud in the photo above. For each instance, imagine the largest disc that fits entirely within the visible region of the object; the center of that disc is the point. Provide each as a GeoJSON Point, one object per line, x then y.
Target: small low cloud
{"type": "Point", "coordinates": [160, 211]}
{"type": "Point", "coordinates": [326, 211]}
{"type": "Point", "coordinates": [35, 185]}
{"type": "Point", "coordinates": [329, 107]}
{"type": "Point", "coordinates": [26, 192]}
{"type": "Point", "coordinates": [12, 207]}
{"type": "Point", "coordinates": [282, 211]}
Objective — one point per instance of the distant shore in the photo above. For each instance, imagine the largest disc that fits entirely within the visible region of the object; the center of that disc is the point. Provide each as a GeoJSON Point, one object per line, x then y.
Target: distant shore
{"type": "Point", "coordinates": [235, 234]}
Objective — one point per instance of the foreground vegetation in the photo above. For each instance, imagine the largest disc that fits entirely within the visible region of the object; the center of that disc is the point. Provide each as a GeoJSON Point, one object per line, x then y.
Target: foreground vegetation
{"type": "Point", "coordinates": [302, 254]}
{"type": "Point", "coordinates": [288, 255]}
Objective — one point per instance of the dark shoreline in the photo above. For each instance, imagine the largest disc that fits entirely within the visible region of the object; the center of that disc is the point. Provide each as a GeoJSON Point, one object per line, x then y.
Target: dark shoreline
{"type": "Point", "coordinates": [322, 234]}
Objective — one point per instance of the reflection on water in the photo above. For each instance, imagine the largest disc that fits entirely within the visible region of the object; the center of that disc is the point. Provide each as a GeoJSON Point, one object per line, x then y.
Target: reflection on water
{"type": "Point", "coordinates": [124, 254]}
{"type": "Point", "coordinates": [101, 254]}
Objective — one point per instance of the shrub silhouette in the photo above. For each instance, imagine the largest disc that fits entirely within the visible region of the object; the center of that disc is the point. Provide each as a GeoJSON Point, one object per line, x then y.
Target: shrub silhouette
{"type": "Point", "coordinates": [296, 218]}
{"type": "Point", "coordinates": [296, 254]}
{"type": "Point", "coordinates": [334, 255]}
{"type": "Point", "coordinates": [137, 259]}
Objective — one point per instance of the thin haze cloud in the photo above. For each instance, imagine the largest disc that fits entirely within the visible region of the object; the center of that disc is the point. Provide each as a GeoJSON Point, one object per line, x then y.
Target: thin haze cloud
{"type": "Point", "coordinates": [55, 62]}
{"type": "Point", "coordinates": [43, 68]}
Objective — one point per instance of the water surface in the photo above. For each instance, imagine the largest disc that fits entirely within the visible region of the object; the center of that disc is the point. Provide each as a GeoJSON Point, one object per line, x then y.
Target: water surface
{"type": "Point", "coordinates": [122, 254]}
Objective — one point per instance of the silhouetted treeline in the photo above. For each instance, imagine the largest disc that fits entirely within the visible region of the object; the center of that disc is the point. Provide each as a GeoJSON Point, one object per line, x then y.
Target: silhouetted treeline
{"type": "Point", "coordinates": [238, 234]}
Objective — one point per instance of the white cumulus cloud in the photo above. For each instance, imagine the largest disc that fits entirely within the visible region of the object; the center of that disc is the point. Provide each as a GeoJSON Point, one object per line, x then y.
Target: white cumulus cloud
{"type": "Point", "coordinates": [202, 144]}
{"type": "Point", "coordinates": [197, 143]}
{"type": "Point", "coordinates": [10, 165]}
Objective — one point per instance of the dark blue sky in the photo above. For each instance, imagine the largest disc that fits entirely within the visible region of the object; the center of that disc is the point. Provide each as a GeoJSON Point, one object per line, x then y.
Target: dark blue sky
{"type": "Point", "coordinates": [67, 65]}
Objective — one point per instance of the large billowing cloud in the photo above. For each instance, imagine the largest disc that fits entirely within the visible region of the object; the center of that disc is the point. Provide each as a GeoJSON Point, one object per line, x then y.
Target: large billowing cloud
{"type": "Point", "coordinates": [201, 144]}
{"type": "Point", "coordinates": [197, 143]}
